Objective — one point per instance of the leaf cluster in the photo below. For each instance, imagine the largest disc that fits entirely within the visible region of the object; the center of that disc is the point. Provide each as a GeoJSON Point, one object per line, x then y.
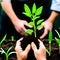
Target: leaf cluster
{"type": "Point", "coordinates": [34, 14]}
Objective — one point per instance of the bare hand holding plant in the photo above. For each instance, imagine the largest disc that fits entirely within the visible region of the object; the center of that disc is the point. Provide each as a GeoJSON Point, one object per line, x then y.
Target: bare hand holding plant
{"type": "Point", "coordinates": [20, 26]}
{"type": "Point", "coordinates": [47, 27]}
{"type": "Point", "coordinates": [21, 55]}
{"type": "Point", "coordinates": [40, 53]}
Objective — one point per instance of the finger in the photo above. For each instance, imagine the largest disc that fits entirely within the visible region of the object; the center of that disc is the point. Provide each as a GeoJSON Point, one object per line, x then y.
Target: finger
{"type": "Point", "coordinates": [44, 34]}
{"type": "Point", "coordinates": [18, 43]}
{"type": "Point", "coordinates": [33, 46]}
{"type": "Point", "coordinates": [27, 49]}
{"type": "Point", "coordinates": [28, 25]}
{"type": "Point", "coordinates": [41, 45]}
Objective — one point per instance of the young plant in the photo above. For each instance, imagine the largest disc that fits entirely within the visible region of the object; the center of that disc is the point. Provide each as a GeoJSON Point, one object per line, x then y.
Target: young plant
{"type": "Point", "coordinates": [3, 39]}
{"type": "Point", "coordinates": [8, 53]}
{"type": "Point", "coordinates": [12, 38]}
{"type": "Point", "coordinates": [34, 14]}
{"type": "Point", "coordinates": [58, 40]}
{"type": "Point", "coordinates": [49, 41]}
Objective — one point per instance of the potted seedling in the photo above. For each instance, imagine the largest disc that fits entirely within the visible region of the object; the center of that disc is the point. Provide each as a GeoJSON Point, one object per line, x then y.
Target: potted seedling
{"type": "Point", "coordinates": [58, 40]}
{"type": "Point", "coordinates": [7, 53]}
{"type": "Point", "coordinates": [35, 21]}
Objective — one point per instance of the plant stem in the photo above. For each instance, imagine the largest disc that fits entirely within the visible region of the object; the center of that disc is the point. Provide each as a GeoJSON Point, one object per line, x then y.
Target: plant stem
{"type": "Point", "coordinates": [34, 28]}
{"type": "Point", "coordinates": [50, 47]}
{"type": "Point", "coordinates": [59, 48]}
{"type": "Point", "coordinates": [6, 57]}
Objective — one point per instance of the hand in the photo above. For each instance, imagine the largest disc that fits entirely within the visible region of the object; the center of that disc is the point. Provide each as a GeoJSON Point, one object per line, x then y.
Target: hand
{"type": "Point", "coordinates": [20, 26]}
{"type": "Point", "coordinates": [47, 27]}
{"type": "Point", "coordinates": [40, 53]}
{"type": "Point", "coordinates": [21, 55]}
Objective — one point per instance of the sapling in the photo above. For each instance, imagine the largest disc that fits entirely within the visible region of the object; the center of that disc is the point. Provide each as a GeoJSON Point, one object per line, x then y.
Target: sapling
{"type": "Point", "coordinates": [6, 53]}
{"type": "Point", "coordinates": [3, 39]}
{"type": "Point", "coordinates": [12, 38]}
{"type": "Point", "coordinates": [34, 15]}
{"type": "Point", "coordinates": [58, 40]}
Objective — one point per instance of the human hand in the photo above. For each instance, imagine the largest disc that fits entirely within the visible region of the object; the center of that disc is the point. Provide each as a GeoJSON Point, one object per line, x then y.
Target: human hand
{"type": "Point", "coordinates": [40, 54]}
{"type": "Point", "coordinates": [47, 27]}
{"type": "Point", "coordinates": [21, 55]}
{"type": "Point", "coordinates": [20, 26]}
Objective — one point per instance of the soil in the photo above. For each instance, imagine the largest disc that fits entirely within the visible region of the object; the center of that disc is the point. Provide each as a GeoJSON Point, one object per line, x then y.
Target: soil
{"type": "Point", "coordinates": [7, 43]}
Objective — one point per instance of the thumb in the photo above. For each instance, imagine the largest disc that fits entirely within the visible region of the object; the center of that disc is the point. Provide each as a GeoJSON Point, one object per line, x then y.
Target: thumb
{"type": "Point", "coordinates": [33, 46]}
{"type": "Point", "coordinates": [27, 48]}
{"type": "Point", "coordinates": [28, 25]}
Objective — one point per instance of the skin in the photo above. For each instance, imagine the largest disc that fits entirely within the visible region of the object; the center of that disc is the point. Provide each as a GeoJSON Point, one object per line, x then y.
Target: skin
{"type": "Point", "coordinates": [40, 53]}
{"type": "Point", "coordinates": [21, 55]}
{"type": "Point", "coordinates": [19, 24]}
{"type": "Point", "coordinates": [48, 24]}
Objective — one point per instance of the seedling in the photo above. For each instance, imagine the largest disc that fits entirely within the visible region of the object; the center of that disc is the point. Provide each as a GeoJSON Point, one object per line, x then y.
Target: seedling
{"type": "Point", "coordinates": [3, 39]}
{"type": "Point", "coordinates": [58, 40]}
{"type": "Point", "coordinates": [12, 38]}
{"type": "Point", "coordinates": [34, 14]}
{"type": "Point", "coordinates": [8, 53]}
{"type": "Point", "coordinates": [49, 41]}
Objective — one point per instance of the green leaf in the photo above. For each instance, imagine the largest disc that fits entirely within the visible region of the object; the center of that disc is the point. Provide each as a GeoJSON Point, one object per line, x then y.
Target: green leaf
{"type": "Point", "coordinates": [39, 26]}
{"type": "Point", "coordinates": [27, 9]}
{"type": "Point", "coordinates": [39, 10]}
{"type": "Point", "coordinates": [57, 40]}
{"type": "Point", "coordinates": [35, 17]}
{"type": "Point", "coordinates": [29, 31]}
{"type": "Point", "coordinates": [50, 36]}
{"type": "Point", "coordinates": [28, 15]}
{"type": "Point", "coordinates": [31, 23]}
{"type": "Point", "coordinates": [3, 39]}
{"type": "Point", "coordinates": [34, 8]}
{"type": "Point", "coordinates": [57, 33]}
{"type": "Point", "coordinates": [39, 21]}
{"type": "Point", "coordinates": [48, 52]}
{"type": "Point", "coordinates": [9, 49]}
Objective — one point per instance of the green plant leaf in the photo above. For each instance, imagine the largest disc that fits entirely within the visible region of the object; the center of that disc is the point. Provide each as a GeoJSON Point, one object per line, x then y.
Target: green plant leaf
{"type": "Point", "coordinates": [50, 36]}
{"type": "Point", "coordinates": [12, 38]}
{"type": "Point", "coordinates": [9, 49]}
{"type": "Point", "coordinates": [31, 23]}
{"type": "Point", "coordinates": [39, 10]}
{"type": "Point", "coordinates": [34, 8]}
{"type": "Point", "coordinates": [57, 33]}
{"type": "Point", "coordinates": [3, 39]}
{"type": "Point", "coordinates": [28, 15]}
{"type": "Point", "coordinates": [39, 26]}
{"type": "Point", "coordinates": [12, 53]}
{"type": "Point", "coordinates": [57, 40]}
{"type": "Point", "coordinates": [35, 17]}
{"type": "Point", "coordinates": [27, 9]}
{"type": "Point", "coordinates": [29, 31]}
{"type": "Point", "coordinates": [39, 21]}
{"type": "Point", "coordinates": [48, 52]}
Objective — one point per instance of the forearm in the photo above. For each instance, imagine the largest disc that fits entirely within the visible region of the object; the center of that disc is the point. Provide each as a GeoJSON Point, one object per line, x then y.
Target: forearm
{"type": "Point", "coordinates": [52, 16]}
{"type": "Point", "coordinates": [7, 7]}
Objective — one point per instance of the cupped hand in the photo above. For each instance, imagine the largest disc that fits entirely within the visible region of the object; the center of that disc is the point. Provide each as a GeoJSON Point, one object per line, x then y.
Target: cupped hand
{"type": "Point", "coordinates": [40, 54]}
{"type": "Point", "coordinates": [21, 55]}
